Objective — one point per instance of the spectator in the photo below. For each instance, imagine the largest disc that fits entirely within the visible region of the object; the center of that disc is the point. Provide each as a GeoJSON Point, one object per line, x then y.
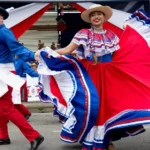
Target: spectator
{"type": "Point", "coordinates": [53, 46]}
{"type": "Point", "coordinates": [40, 45]}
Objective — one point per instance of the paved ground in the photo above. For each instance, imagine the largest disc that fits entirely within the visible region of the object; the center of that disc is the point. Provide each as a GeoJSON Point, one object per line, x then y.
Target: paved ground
{"type": "Point", "coordinates": [50, 128]}
{"type": "Point", "coordinates": [39, 107]}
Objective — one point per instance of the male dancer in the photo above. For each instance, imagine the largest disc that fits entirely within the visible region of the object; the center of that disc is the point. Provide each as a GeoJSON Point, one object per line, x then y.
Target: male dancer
{"type": "Point", "coordinates": [9, 47]}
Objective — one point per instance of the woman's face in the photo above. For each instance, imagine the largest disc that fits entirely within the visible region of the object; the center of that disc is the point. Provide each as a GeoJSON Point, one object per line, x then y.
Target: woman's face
{"type": "Point", "coordinates": [97, 18]}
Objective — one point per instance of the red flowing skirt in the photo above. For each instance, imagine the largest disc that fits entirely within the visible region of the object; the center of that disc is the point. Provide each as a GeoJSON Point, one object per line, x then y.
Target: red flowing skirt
{"type": "Point", "coordinates": [124, 83]}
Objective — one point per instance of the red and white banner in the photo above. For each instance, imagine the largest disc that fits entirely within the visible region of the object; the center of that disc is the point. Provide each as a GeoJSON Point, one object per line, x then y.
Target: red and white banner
{"type": "Point", "coordinates": [116, 21]}
{"type": "Point", "coordinates": [22, 18]}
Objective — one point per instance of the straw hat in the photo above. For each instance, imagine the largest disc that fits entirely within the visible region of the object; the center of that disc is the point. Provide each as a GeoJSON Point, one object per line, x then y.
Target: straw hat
{"type": "Point", "coordinates": [96, 7]}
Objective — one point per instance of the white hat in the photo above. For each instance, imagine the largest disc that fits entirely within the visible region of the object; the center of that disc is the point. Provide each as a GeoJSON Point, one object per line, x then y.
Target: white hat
{"type": "Point", "coordinates": [96, 7]}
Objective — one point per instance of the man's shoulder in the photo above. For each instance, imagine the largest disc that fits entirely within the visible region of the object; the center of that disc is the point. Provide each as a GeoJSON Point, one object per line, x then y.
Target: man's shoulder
{"type": "Point", "coordinates": [4, 29]}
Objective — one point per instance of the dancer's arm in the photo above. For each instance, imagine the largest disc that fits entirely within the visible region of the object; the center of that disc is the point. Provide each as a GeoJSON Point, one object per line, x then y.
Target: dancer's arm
{"type": "Point", "coordinates": [68, 49]}
{"type": "Point", "coordinates": [14, 46]}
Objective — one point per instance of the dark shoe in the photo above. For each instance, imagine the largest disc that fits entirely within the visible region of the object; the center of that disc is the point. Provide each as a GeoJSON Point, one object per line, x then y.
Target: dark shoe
{"type": "Point", "coordinates": [4, 141]}
{"type": "Point", "coordinates": [36, 143]}
{"type": "Point", "coordinates": [27, 117]}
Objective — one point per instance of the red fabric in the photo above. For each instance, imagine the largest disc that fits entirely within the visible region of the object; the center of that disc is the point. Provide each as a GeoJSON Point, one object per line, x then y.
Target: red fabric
{"type": "Point", "coordinates": [8, 112]}
{"type": "Point", "coordinates": [61, 26]}
{"type": "Point", "coordinates": [55, 90]}
{"type": "Point", "coordinates": [78, 7]}
{"type": "Point", "coordinates": [20, 28]}
{"type": "Point", "coordinates": [107, 25]}
{"type": "Point", "coordinates": [115, 29]}
{"type": "Point", "coordinates": [3, 128]}
{"type": "Point", "coordinates": [123, 83]}
{"type": "Point", "coordinates": [22, 109]}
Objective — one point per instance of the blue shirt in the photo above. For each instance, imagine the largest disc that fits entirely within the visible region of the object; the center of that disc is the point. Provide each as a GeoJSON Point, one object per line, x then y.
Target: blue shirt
{"type": "Point", "coordinates": [9, 47]}
{"type": "Point", "coordinates": [22, 68]}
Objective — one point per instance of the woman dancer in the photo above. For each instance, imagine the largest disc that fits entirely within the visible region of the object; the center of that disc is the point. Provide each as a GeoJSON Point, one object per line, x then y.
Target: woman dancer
{"type": "Point", "coordinates": [120, 75]}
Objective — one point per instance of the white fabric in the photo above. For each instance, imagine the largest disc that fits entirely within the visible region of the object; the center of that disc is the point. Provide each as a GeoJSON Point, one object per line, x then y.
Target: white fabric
{"type": "Point", "coordinates": [20, 14]}
{"type": "Point", "coordinates": [31, 81]}
{"type": "Point", "coordinates": [3, 88]}
{"type": "Point", "coordinates": [45, 79]}
{"type": "Point", "coordinates": [16, 96]}
{"type": "Point", "coordinates": [42, 67]}
{"type": "Point", "coordinates": [8, 78]}
{"type": "Point", "coordinates": [66, 87]}
{"type": "Point", "coordinates": [97, 133]}
{"type": "Point", "coordinates": [33, 88]}
{"type": "Point", "coordinates": [64, 80]}
{"type": "Point", "coordinates": [117, 18]}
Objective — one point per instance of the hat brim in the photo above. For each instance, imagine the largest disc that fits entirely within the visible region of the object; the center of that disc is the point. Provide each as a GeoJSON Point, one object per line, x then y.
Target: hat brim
{"type": "Point", "coordinates": [105, 9]}
{"type": "Point", "coordinates": [4, 13]}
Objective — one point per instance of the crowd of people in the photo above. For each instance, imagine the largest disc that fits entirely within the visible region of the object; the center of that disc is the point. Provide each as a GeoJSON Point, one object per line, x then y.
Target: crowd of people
{"type": "Point", "coordinates": [53, 46]}
{"type": "Point", "coordinates": [101, 95]}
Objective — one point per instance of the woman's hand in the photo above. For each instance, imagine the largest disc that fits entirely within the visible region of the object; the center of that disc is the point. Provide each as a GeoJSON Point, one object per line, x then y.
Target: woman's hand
{"type": "Point", "coordinates": [36, 55]}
